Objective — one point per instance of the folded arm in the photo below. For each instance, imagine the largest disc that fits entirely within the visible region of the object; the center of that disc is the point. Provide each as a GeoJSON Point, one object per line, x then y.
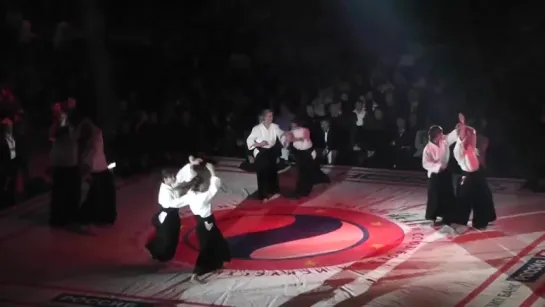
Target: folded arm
{"type": "Point", "coordinates": [430, 160]}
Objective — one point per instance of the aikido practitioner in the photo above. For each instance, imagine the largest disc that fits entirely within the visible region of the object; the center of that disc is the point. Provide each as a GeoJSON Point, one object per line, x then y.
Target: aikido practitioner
{"type": "Point", "coordinates": [199, 191]}
{"type": "Point", "coordinates": [173, 189]}
{"type": "Point", "coordinates": [261, 142]}
{"type": "Point", "coordinates": [308, 169]}
{"type": "Point", "coordinates": [473, 192]}
{"type": "Point", "coordinates": [164, 242]}
{"type": "Point", "coordinates": [100, 205]}
{"type": "Point", "coordinates": [435, 159]}
{"type": "Point", "coordinates": [65, 172]}
{"type": "Point", "coordinates": [8, 164]}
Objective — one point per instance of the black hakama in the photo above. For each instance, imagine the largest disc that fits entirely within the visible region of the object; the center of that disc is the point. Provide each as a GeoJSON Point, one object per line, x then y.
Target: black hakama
{"type": "Point", "coordinates": [214, 250]}
{"type": "Point", "coordinates": [267, 174]}
{"type": "Point", "coordinates": [8, 183]}
{"type": "Point", "coordinates": [308, 172]}
{"type": "Point", "coordinates": [440, 195]}
{"type": "Point", "coordinates": [99, 206]}
{"type": "Point", "coordinates": [65, 195]}
{"type": "Point", "coordinates": [164, 242]}
{"type": "Point", "coordinates": [474, 194]}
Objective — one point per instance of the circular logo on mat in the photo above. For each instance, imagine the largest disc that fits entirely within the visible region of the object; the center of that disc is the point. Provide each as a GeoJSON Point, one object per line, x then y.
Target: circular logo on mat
{"type": "Point", "coordinates": [292, 237]}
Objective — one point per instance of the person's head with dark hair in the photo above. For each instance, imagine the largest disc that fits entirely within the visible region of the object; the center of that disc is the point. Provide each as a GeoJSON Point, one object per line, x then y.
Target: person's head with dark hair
{"type": "Point", "coordinates": [267, 117]}
{"type": "Point", "coordinates": [358, 106]}
{"type": "Point", "coordinates": [168, 176]}
{"type": "Point", "coordinates": [389, 98]}
{"type": "Point", "coordinates": [435, 133]}
{"type": "Point", "coordinates": [186, 186]}
{"type": "Point", "coordinates": [6, 127]}
{"type": "Point", "coordinates": [325, 124]}
{"type": "Point", "coordinates": [310, 110]}
{"type": "Point", "coordinates": [297, 122]}
{"type": "Point", "coordinates": [201, 181]}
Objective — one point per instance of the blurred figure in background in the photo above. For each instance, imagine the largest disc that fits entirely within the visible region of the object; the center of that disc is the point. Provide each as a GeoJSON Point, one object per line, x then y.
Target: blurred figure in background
{"type": "Point", "coordinates": [8, 164]}
{"type": "Point", "coordinates": [65, 172]}
{"type": "Point", "coordinates": [99, 206]}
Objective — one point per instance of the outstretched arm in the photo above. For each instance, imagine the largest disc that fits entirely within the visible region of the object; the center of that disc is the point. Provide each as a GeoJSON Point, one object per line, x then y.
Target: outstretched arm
{"type": "Point", "coordinates": [167, 200]}
{"type": "Point", "coordinates": [452, 137]}
{"type": "Point", "coordinates": [281, 135]}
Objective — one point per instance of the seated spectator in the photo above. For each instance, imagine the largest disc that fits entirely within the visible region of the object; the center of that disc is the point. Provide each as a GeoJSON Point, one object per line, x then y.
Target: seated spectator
{"type": "Point", "coordinates": [402, 146]}
{"type": "Point", "coordinates": [328, 143]}
{"type": "Point", "coordinates": [341, 125]}
{"type": "Point", "coordinates": [415, 105]}
{"type": "Point", "coordinates": [378, 153]}
{"type": "Point", "coordinates": [420, 141]}
{"type": "Point", "coordinates": [311, 122]}
{"type": "Point", "coordinates": [358, 119]}
{"type": "Point", "coordinates": [390, 109]}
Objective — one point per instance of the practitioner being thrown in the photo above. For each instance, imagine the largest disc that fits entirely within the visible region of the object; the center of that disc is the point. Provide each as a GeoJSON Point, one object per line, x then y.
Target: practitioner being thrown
{"type": "Point", "coordinates": [435, 159]}
{"type": "Point", "coordinates": [473, 190]}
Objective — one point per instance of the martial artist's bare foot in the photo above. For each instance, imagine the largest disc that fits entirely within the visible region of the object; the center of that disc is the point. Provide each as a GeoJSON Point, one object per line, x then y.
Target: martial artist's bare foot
{"type": "Point", "coordinates": [460, 229]}
{"type": "Point", "coordinates": [438, 223]}
{"type": "Point", "coordinates": [197, 279]}
{"type": "Point", "coordinates": [447, 230]}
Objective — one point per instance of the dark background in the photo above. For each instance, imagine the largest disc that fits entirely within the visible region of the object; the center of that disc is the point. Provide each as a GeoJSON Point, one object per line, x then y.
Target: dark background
{"type": "Point", "coordinates": [490, 54]}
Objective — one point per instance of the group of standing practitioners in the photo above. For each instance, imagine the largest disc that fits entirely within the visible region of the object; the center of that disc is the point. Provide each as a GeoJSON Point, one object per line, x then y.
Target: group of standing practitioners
{"type": "Point", "coordinates": [472, 191]}
{"type": "Point", "coordinates": [261, 143]}
{"type": "Point", "coordinates": [194, 186]}
{"type": "Point", "coordinates": [83, 189]}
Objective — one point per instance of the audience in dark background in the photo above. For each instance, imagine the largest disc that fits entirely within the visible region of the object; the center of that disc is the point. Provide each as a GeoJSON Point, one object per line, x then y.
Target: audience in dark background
{"type": "Point", "coordinates": [371, 110]}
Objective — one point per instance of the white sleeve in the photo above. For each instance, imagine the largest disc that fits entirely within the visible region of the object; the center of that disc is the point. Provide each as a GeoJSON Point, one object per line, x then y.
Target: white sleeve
{"type": "Point", "coordinates": [452, 137]}
{"type": "Point", "coordinates": [215, 184]}
{"type": "Point", "coordinates": [185, 174]}
{"type": "Point", "coordinates": [430, 161]}
{"type": "Point", "coordinates": [252, 138]}
{"type": "Point", "coordinates": [167, 199]}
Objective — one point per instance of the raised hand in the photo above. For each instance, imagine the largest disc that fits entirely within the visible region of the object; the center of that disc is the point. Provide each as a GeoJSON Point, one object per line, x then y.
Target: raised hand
{"type": "Point", "coordinates": [194, 161]}
{"type": "Point", "coordinates": [210, 167]}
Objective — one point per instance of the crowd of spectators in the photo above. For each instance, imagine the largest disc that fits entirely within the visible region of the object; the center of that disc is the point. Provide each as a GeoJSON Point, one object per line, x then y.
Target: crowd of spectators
{"type": "Point", "coordinates": [378, 119]}
{"type": "Point", "coordinates": [374, 113]}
